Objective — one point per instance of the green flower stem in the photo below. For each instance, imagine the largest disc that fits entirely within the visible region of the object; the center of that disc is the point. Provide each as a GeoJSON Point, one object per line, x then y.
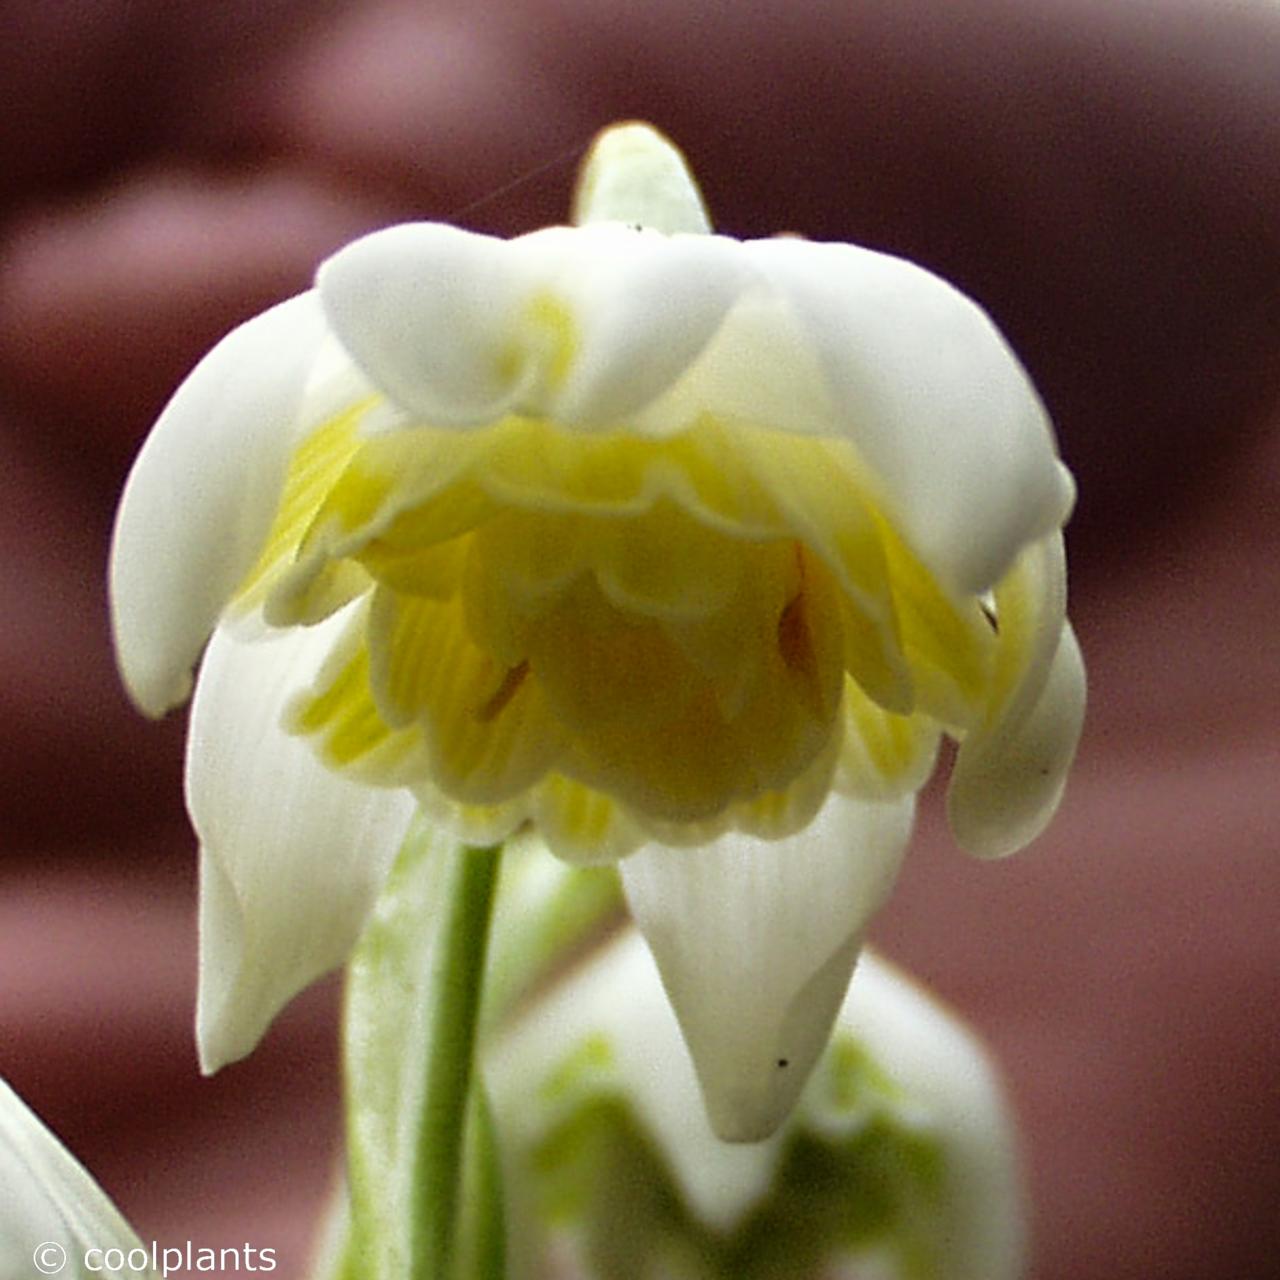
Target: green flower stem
{"type": "Point", "coordinates": [454, 939]}
{"type": "Point", "coordinates": [455, 987]}
{"type": "Point", "coordinates": [419, 1152]}
{"type": "Point", "coordinates": [482, 1242]}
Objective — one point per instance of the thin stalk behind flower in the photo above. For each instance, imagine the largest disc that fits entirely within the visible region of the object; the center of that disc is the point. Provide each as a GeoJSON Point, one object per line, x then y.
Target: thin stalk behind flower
{"type": "Point", "coordinates": [412, 1012]}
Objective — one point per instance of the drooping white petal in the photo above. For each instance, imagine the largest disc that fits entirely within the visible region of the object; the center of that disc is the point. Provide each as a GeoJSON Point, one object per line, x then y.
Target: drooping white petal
{"type": "Point", "coordinates": [951, 1088]}
{"type": "Point", "coordinates": [291, 854]}
{"type": "Point", "coordinates": [616, 1001]}
{"type": "Point", "coordinates": [957, 442]}
{"type": "Point", "coordinates": [201, 496]}
{"type": "Point", "coordinates": [1006, 784]}
{"type": "Point", "coordinates": [636, 176]}
{"type": "Point", "coordinates": [418, 306]}
{"type": "Point", "coordinates": [756, 939]}
{"type": "Point", "coordinates": [51, 1209]}
{"type": "Point", "coordinates": [582, 325]}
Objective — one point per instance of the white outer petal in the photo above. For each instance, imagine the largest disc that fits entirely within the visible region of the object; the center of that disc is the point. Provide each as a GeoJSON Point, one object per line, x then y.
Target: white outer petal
{"type": "Point", "coordinates": [933, 399]}
{"type": "Point", "coordinates": [618, 995]}
{"type": "Point", "coordinates": [950, 1082]}
{"type": "Point", "coordinates": [1006, 785]}
{"type": "Point", "coordinates": [48, 1198]}
{"type": "Point", "coordinates": [291, 854]}
{"type": "Point", "coordinates": [440, 318]}
{"type": "Point", "coordinates": [201, 497]}
{"type": "Point", "coordinates": [756, 939]}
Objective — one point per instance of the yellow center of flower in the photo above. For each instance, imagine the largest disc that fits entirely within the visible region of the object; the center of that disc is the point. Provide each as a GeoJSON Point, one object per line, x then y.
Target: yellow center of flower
{"type": "Point", "coordinates": [690, 627]}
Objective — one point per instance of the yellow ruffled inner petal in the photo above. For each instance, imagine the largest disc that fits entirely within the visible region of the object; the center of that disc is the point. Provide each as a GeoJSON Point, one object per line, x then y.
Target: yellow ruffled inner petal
{"type": "Point", "coordinates": [488, 730]}
{"type": "Point", "coordinates": [601, 667]}
{"type": "Point", "coordinates": [664, 564]}
{"type": "Point", "coordinates": [533, 465]}
{"type": "Point", "coordinates": [697, 764]}
{"type": "Point", "coordinates": [819, 499]}
{"type": "Point", "coordinates": [313, 471]}
{"type": "Point", "coordinates": [610, 632]}
{"type": "Point", "coordinates": [949, 644]}
{"type": "Point", "coordinates": [473, 824]}
{"type": "Point", "coordinates": [687, 772]}
{"type": "Point", "coordinates": [883, 755]}
{"type": "Point", "coordinates": [518, 565]}
{"type": "Point", "coordinates": [580, 824]}
{"type": "Point", "coordinates": [730, 647]}
{"type": "Point", "coordinates": [548, 343]}
{"type": "Point", "coordinates": [404, 491]}
{"type": "Point", "coordinates": [435, 572]}
{"type": "Point", "coordinates": [776, 814]}
{"type": "Point", "coordinates": [313, 588]}
{"type": "Point", "coordinates": [1030, 609]}
{"type": "Point", "coordinates": [340, 716]}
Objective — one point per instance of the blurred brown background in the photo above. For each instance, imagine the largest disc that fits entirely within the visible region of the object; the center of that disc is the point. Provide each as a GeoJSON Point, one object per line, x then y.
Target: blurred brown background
{"type": "Point", "coordinates": [1104, 177]}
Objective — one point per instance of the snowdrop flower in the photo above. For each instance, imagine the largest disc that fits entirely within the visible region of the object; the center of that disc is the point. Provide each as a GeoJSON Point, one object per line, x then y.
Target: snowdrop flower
{"type": "Point", "coordinates": [899, 1160]}
{"type": "Point", "coordinates": [682, 549]}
